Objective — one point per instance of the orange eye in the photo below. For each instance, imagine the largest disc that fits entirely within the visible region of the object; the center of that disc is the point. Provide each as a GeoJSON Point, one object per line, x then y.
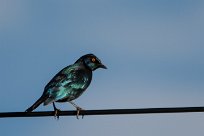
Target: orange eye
{"type": "Point", "coordinates": [93, 59]}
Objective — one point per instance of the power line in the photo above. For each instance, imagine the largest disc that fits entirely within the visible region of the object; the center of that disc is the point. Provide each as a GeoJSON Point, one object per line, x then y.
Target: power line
{"type": "Point", "coordinates": [104, 112]}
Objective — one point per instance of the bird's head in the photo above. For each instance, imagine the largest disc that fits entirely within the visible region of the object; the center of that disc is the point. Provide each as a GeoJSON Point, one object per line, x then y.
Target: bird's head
{"type": "Point", "coordinates": [91, 61]}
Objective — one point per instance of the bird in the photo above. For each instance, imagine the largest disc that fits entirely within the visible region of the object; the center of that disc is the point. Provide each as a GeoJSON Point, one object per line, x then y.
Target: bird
{"type": "Point", "coordinates": [69, 83]}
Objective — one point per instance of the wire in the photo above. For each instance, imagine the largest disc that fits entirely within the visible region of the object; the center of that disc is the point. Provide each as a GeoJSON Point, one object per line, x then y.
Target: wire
{"type": "Point", "coordinates": [104, 112]}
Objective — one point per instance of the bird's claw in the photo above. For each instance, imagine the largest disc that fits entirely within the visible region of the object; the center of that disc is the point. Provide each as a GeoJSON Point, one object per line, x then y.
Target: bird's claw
{"type": "Point", "coordinates": [78, 112]}
{"type": "Point", "coordinates": [56, 113]}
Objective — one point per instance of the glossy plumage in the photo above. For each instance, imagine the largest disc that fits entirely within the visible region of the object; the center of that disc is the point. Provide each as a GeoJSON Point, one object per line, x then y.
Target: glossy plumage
{"type": "Point", "coordinates": [70, 82]}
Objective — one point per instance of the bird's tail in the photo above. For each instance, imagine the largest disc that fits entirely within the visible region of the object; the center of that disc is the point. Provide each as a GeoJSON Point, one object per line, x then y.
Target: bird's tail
{"type": "Point", "coordinates": [36, 104]}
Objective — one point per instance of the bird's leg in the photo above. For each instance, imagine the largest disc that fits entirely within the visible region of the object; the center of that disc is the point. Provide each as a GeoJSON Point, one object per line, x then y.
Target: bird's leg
{"type": "Point", "coordinates": [56, 111]}
{"type": "Point", "coordinates": [78, 109]}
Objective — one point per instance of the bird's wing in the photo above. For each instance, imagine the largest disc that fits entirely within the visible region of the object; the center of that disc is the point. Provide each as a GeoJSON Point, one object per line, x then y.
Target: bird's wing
{"type": "Point", "coordinates": [70, 77]}
{"type": "Point", "coordinates": [66, 75]}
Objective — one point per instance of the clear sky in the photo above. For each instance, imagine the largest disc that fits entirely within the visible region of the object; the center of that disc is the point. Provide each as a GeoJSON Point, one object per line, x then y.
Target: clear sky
{"type": "Point", "coordinates": [154, 52]}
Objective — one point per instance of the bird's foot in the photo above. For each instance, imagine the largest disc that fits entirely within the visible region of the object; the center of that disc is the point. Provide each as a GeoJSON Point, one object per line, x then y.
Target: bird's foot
{"type": "Point", "coordinates": [78, 112]}
{"type": "Point", "coordinates": [78, 109]}
{"type": "Point", "coordinates": [56, 113]}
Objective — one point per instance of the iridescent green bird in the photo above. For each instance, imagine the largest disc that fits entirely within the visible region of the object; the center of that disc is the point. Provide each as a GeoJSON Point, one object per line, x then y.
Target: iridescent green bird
{"type": "Point", "coordinates": [69, 83]}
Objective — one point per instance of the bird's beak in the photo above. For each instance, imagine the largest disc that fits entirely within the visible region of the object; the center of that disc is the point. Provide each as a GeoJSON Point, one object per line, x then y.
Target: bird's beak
{"type": "Point", "coordinates": [102, 66]}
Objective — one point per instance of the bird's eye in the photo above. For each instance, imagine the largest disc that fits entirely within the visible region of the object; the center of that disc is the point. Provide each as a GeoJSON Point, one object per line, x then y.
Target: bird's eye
{"type": "Point", "coordinates": [93, 59]}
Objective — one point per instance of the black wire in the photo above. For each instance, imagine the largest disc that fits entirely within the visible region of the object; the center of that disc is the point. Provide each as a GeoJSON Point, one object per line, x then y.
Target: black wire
{"type": "Point", "coordinates": [104, 112]}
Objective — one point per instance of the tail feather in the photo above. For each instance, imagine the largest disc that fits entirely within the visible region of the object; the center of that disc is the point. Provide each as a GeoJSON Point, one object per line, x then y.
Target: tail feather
{"type": "Point", "coordinates": [36, 104]}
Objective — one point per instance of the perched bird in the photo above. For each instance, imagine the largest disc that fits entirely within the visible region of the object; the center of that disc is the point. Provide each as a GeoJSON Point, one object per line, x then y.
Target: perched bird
{"type": "Point", "coordinates": [69, 83]}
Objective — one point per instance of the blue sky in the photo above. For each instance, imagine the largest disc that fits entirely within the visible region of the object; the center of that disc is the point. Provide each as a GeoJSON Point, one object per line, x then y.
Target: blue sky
{"type": "Point", "coordinates": [154, 52]}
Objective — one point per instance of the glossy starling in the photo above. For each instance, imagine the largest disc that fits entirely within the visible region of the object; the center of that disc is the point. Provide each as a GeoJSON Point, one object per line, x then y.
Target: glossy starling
{"type": "Point", "coordinates": [69, 83]}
